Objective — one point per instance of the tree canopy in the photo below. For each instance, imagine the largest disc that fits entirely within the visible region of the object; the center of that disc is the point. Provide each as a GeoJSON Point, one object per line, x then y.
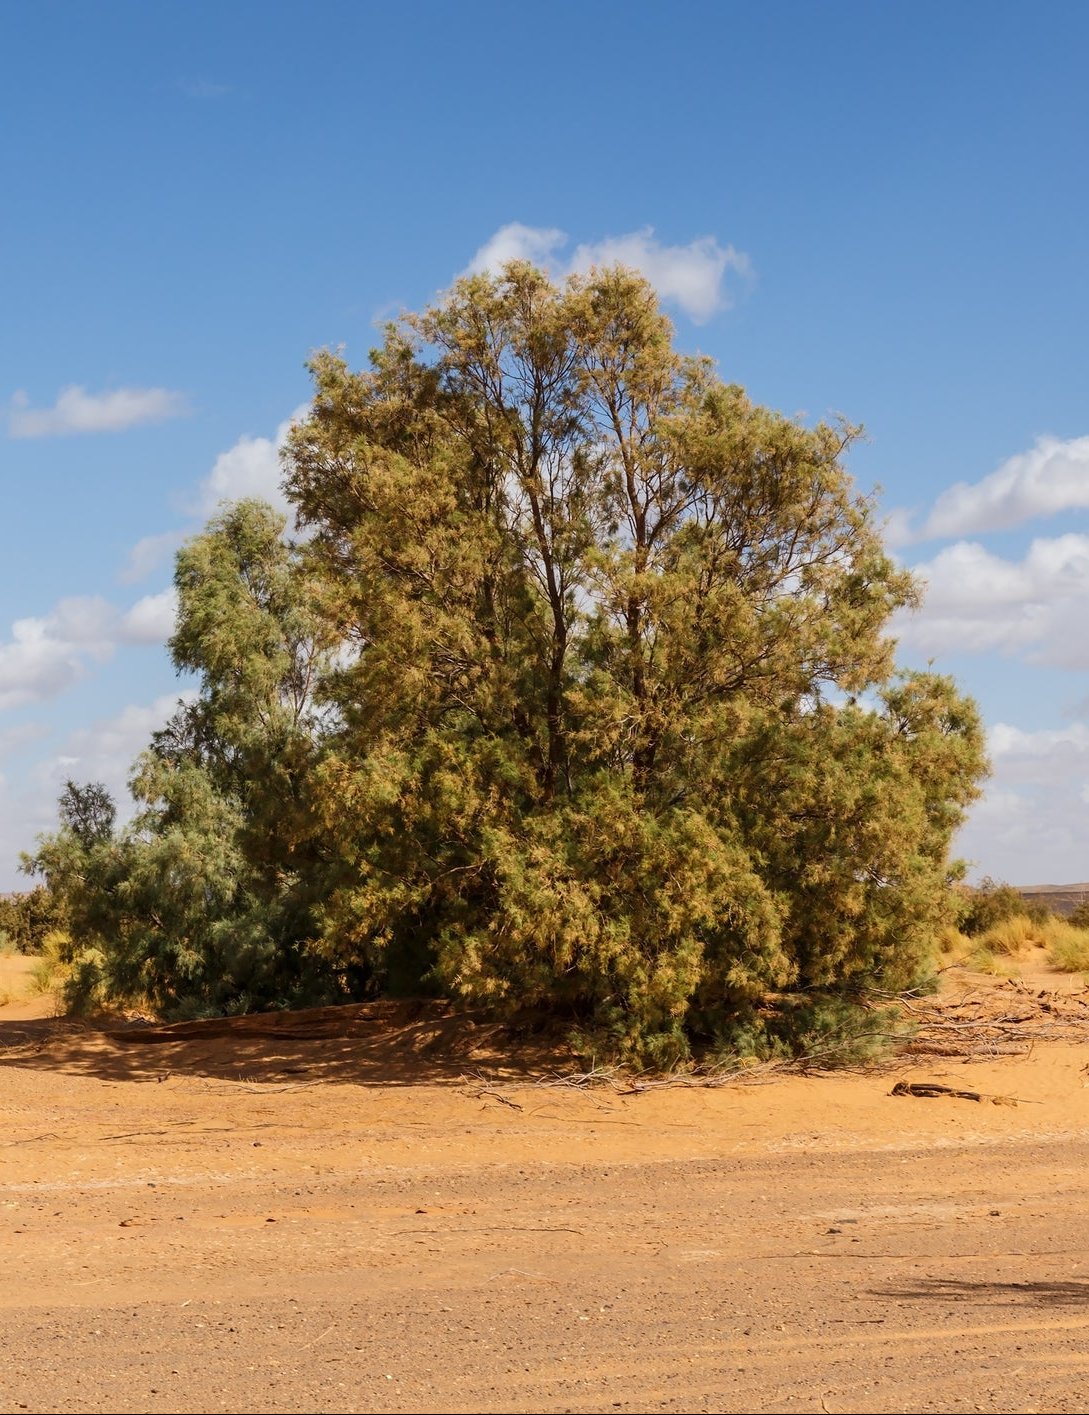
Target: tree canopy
{"type": "Point", "coordinates": [575, 695]}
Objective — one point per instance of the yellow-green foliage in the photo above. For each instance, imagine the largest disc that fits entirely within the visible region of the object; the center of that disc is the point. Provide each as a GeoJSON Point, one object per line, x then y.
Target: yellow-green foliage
{"type": "Point", "coordinates": [72, 974]}
{"type": "Point", "coordinates": [952, 944]}
{"type": "Point", "coordinates": [998, 965]}
{"type": "Point", "coordinates": [1068, 947]}
{"type": "Point", "coordinates": [576, 696]}
{"type": "Point", "coordinates": [1002, 949]}
{"type": "Point", "coordinates": [53, 966]}
{"type": "Point", "coordinates": [1014, 935]}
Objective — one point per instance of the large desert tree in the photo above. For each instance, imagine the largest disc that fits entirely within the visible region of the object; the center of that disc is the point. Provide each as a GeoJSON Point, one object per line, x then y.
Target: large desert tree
{"type": "Point", "coordinates": [574, 695]}
{"type": "Point", "coordinates": [618, 728]}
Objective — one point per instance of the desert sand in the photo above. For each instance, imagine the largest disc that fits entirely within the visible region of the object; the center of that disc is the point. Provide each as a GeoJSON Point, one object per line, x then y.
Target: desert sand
{"type": "Point", "coordinates": [385, 1209]}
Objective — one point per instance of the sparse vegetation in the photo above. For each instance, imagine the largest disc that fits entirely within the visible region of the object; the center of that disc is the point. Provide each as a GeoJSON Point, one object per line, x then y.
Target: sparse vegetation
{"type": "Point", "coordinates": [1068, 947]}
{"type": "Point", "coordinates": [26, 918]}
{"type": "Point", "coordinates": [987, 905]}
{"type": "Point", "coordinates": [1004, 947]}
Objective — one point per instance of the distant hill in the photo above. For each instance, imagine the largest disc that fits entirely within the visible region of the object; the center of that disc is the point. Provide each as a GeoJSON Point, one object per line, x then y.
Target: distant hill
{"type": "Point", "coordinates": [1062, 898]}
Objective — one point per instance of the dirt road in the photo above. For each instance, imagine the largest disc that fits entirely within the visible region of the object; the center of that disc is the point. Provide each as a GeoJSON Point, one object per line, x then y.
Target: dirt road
{"type": "Point", "coordinates": [354, 1218]}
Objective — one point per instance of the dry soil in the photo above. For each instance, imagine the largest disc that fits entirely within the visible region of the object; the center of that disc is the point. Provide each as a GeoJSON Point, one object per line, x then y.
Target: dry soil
{"type": "Point", "coordinates": [382, 1209]}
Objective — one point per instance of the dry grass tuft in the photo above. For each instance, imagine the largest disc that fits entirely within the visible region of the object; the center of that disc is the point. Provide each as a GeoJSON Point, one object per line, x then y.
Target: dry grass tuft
{"type": "Point", "coordinates": [1068, 947]}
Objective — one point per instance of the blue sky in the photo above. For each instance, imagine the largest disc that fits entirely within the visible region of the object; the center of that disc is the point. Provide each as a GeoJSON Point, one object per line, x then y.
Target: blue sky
{"type": "Point", "coordinates": [880, 210]}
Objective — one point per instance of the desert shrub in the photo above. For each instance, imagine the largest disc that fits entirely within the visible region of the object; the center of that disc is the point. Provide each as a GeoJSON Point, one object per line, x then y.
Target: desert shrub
{"type": "Point", "coordinates": [995, 964]}
{"type": "Point", "coordinates": [1068, 947]}
{"type": "Point", "coordinates": [827, 1029]}
{"type": "Point", "coordinates": [987, 905]}
{"type": "Point", "coordinates": [1080, 915]}
{"type": "Point", "coordinates": [952, 945]}
{"type": "Point", "coordinates": [53, 965]}
{"type": "Point", "coordinates": [26, 918]}
{"type": "Point", "coordinates": [1014, 934]}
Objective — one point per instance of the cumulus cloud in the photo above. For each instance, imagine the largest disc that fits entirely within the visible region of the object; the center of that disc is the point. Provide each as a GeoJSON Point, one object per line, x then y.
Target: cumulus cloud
{"type": "Point", "coordinates": [15, 739]}
{"type": "Point", "coordinates": [1052, 476]}
{"type": "Point", "coordinates": [77, 411]}
{"type": "Point", "coordinates": [151, 620]}
{"type": "Point", "coordinates": [693, 276]}
{"type": "Point", "coordinates": [106, 750]}
{"type": "Point", "coordinates": [45, 655]}
{"type": "Point", "coordinates": [537, 244]}
{"type": "Point", "coordinates": [250, 468]}
{"type": "Point", "coordinates": [1029, 828]}
{"type": "Point", "coordinates": [978, 602]}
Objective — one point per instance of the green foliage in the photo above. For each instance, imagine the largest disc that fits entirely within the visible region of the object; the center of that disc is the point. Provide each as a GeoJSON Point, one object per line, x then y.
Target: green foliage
{"type": "Point", "coordinates": [1079, 917]}
{"type": "Point", "coordinates": [575, 697]}
{"type": "Point", "coordinates": [827, 1030]}
{"type": "Point", "coordinates": [205, 902]}
{"type": "Point", "coordinates": [88, 812]}
{"type": "Point", "coordinates": [1001, 948]}
{"type": "Point", "coordinates": [1068, 946]}
{"type": "Point", "coordinates": [988, 904]}
{"type": "Point", "coordinates": [603, 746]}
{"type": "Point", "coordinates": [27, 918]}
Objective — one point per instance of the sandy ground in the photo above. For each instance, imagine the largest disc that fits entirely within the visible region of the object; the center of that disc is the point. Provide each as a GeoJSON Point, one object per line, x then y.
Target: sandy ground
{"type": "Point", "coordinates": [370, 1210]}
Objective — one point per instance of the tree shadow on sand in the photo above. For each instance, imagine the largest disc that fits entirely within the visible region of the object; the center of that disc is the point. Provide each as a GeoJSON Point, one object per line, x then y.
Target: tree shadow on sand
{"type": "Point", "coordinates": [378, 1043]}
{"type": "Point", "coordinates": [986, 1292]}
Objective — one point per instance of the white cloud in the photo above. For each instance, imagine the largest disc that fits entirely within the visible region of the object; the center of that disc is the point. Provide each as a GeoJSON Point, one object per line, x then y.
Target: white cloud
{"type": "Point", "coordinates": [250, 468]}
{"type": "Point", "coordinates": [536, 244]}
{"type": "Point", "coordinates": [978, 602]}
{"type": "Point", "coordinates": [106, 750]}
{"type": "Point", "coordinates": [149, 553]}
{"type": "Point", "coordinates": [897, 529]}
{"type": "Point", "coordinates": [13, 739]}
{"type": "Point", "coordinates": [1030, 826]}
{"type": "Point", "coordinates": [692, 276]}
{"type": "Point", "coordinates": [1052, 476]}
{"type": "Point", "coordinates": [47, 654]}
{"type": "Point", "coordinates": [151, 620]}
{"type": "Point", "coordinates": [77, 411]}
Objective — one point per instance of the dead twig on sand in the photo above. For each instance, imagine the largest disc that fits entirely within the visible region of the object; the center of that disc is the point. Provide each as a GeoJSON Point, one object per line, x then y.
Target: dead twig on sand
{"type": "Point", "coordinates": [934, 1088]}
{"type": "Point", "coordinates": [498, 1096]}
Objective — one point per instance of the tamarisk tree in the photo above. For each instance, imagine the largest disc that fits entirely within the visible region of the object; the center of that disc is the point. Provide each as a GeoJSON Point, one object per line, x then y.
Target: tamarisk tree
{"type": "Point", "coordinates": [619, 732]}
{"type": "Point", "coordinates": [575, 695]}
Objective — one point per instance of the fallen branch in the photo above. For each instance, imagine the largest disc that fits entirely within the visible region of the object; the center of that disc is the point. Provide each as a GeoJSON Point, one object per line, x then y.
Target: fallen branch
{"type": "Point", "coordinates": [503, 1100]}
{"type": "Point", "coordinates": [932, 1088]}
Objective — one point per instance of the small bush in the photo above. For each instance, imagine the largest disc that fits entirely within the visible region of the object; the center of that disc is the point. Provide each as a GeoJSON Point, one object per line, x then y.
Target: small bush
{"type": "Point", "coordinates": [829, 1029]}
{"type": "Point", "coordinates": [51, 970]}
{"type": "Point", "coordinates": [953, 946]}
{"type": "Point", "coordinates": [74, 976]}
{"type": "Point", "coordinates": [995, 965]}
{"type": "Point", "coordinates": [988, 905]}
{"type": "Point", "coordinates": [1068, 947]}
{"type": "Point", "coordinates": [1014, 935]}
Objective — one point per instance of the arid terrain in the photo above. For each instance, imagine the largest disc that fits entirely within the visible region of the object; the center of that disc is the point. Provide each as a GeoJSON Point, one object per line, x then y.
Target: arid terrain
{"type": "Point", "coordinates": [381, 1209]}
